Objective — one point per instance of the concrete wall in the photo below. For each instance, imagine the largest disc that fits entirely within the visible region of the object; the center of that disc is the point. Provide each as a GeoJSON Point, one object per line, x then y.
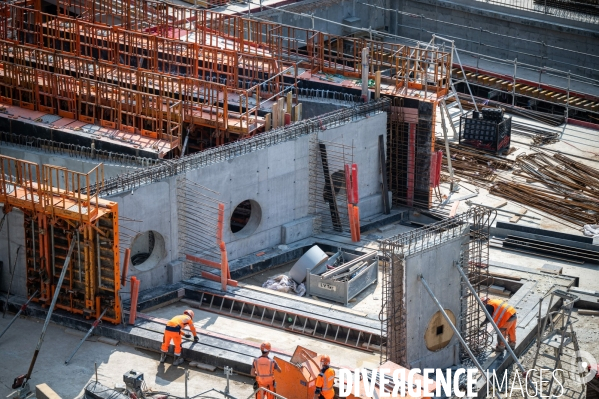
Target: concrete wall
{"type": "Point", "coordinates": [436, 266]}
{"type": "Point", "coordinates": [75, 164]}
{"type": "Point", "coordinates": [277, 178]}
{"type": "Point", "coordinates": [529, 32]}
{"type": "Point", "coordinates": [348, 12]}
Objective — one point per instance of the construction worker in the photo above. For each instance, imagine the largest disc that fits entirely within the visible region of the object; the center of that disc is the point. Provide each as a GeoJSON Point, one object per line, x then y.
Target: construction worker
{"type": "Point", "coordinates": [264, 370]}
{"type": "Point", "coordinates": [505, 317]}
{"type": "Point", "coordinates": [325, 380]}
{"type": "Point", "coordinates": [174, 331]}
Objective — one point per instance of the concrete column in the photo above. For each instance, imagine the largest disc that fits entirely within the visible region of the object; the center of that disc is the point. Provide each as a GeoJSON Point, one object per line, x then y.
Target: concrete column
{"type": "Point", "coordinates": [275, 115]}
{"type": "Point", "coordinates": [289, 99]}
{"type": "Point", "coordinates": [281, 114]}
{"type": "Point", "coordinates": [267, 122]}
{"type": "Point", "coordinates": [365, 94]}
{"type": "Point", "coordinates": [298, 112]}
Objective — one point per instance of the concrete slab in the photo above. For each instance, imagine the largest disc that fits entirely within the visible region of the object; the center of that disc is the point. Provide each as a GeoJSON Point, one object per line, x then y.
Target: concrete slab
{"type": "Point", "coordinates": [18, 344]}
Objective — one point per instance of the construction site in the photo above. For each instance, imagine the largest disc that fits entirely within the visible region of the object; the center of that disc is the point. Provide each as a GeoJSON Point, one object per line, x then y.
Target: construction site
{"type": "Point", "coordinates": [247, 199]}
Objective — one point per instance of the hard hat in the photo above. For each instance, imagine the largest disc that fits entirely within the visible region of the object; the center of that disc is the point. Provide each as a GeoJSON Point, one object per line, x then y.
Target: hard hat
{"type": "Point", "coordinates": [189, 313]}
{"type": "Point", "coordinates": [265, 347]}
{"type": "Point", "coordinates": [484, 299]}
{"type": "Point", "coordinates": [325, 360]}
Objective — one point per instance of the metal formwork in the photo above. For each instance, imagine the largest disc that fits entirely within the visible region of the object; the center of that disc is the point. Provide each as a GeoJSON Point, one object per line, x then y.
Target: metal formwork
{"type": "Point", "coordinates": [56, 214]}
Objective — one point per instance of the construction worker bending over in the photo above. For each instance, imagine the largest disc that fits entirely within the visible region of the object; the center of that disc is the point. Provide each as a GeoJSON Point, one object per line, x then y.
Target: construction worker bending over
{"type": "Point", "coordinates": [174, 331]}
{"type": "Point", "coordinates": [505, 317]}
{"type": "Point", "coordinates": [325, 380]}
{"type": "Point", "coordinates": [264, 370]}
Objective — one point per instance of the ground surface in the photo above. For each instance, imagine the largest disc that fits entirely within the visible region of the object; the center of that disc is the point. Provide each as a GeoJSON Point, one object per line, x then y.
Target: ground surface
{"type": "Point", "coordinates": [68, 381]}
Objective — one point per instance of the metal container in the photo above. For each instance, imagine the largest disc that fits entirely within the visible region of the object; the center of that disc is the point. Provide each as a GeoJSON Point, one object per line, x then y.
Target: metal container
{"type": "Point", "coordinates": [343, 291]}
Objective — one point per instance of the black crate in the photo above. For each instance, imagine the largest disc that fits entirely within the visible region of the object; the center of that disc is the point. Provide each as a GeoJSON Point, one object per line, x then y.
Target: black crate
{"type": "Point", "coordinates": [490, 133]}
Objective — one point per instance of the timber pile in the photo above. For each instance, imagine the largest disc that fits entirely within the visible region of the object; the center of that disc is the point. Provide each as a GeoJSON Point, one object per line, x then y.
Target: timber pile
{"type": "Point", "coordinates": [478, 167]}
{"type": "Point", "coordinates": [562, 187]}
{"type": "Point", "coordinates": [552, 183]}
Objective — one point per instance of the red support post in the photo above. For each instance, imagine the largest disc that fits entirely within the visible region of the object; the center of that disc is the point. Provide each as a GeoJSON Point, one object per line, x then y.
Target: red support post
{"type": "Point", "coordinates": [134, 296]}
{"type": "Point", "coordinates": [357, 222]}
{"type": "Point", "coordinates": [348, 188]}
{"type": "Point", "coordinates": [125, 267]}
{"type": "Point", "coordinates": [352, 227]}
{"type": "Point", "coordinates": [354, 184]}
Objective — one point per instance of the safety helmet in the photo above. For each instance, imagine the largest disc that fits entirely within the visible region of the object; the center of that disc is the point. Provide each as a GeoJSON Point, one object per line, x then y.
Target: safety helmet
{"type": "Point", "coordinates": [189, 313]}
{"type": "Point", "coordinates": [265, 347]}
{"type": "Point", "coordinates": [325, 360]}
{"type": "Point", "coordinates": [484, 299]}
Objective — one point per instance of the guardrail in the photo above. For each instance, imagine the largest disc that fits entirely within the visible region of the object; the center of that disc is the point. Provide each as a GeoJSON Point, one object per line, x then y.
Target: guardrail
{"type": "Point", "coordinates": [167, 168]}
{"type": "Point", "coordinates": [73, 150]}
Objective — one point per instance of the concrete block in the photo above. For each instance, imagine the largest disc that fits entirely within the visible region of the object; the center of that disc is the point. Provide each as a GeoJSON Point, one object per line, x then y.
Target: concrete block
{"type": "Point", "coordinates": [553, 269]}
{"type": "Point", "coordinates": [174, 272]}
{"type": "Point", "coordinates": [43, 391]}
{"type": "Point", "coordinates": [297, 230]}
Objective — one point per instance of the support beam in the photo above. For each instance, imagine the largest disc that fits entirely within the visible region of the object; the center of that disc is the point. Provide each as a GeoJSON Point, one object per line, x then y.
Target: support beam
{"type": "Point", "coordinates": [499, 334]}
{"type": "Point", "coordinates": [455, 330]}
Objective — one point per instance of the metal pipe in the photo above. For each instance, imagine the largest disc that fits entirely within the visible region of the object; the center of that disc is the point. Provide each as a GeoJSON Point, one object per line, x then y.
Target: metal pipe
{"type": "Point", "coordinates": [91, 329]}
{"type": "Point", "coordinates": [50, 311]}
{"type": "Point", "coordinates": [490, 318]}
{"type": "Point", "coordinates": [53, 253]}
{"type": "Point", "coordinates": [98, 260]}
{"type": "Point", "coordinates": [455, 330]}
{"type": "Point", "coordinates": [33, 241]}
{"type": "Point", "coordinates": [19, 313]}
{"type": "Point", "coordinates": [79, 254]}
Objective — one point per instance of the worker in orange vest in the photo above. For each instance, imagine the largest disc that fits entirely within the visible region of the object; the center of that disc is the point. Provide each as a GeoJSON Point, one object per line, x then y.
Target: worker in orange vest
{"type": "Point", "coordinates": [325, 380]}
{"type": "Point", "coordinates": [264, 370]}
{"type": "Point", "coordinates": [174, 331]}
{"type": "Point", "coordinates": [505, 317]}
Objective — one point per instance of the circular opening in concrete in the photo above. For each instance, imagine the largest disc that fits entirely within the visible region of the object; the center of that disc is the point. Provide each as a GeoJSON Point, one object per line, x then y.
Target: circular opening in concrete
{"type": "Point", "coordinates": [246, 218]}
{"type": "Point", "coordinates": [438, 334]}
{"type": "Point", "coordinates": [147, 249]}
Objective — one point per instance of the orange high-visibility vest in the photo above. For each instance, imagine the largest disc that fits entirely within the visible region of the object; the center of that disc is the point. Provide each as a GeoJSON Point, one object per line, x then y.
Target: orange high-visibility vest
{"type": "Point", "coordinates": [178, 323]}
{"type": "Point", "coordinates": [503, 311]}
{"type": "Point", "coordinates": [265, 370]}
{"type": "Point", "coordinates": [324, 383]}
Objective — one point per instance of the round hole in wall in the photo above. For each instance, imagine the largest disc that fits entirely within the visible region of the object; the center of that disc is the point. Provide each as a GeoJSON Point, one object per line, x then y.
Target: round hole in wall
{"type": "Point", "coordinates": [246, 218]}
{"type": "Point", "coordinates": [147, 249]}
{"type": "Point", "coordinates": [438, 334]}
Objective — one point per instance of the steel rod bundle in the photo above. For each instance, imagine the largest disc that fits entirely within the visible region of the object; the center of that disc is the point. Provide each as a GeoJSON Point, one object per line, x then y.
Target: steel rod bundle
{"type": "Point", "coordinates": [560, 186]}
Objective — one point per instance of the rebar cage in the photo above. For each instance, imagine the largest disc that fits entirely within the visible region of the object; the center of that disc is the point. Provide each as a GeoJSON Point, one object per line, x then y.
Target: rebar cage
{"type": "Point", "coordinates": [475, 259]}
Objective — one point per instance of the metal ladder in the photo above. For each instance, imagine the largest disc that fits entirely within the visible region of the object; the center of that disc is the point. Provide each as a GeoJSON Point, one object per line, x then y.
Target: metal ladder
{"type": "Point", "coordinates": [555, 334]}
{"type": "Point", "coordinates": [290, 321]}
{"type": "Point", "coordinates": [454, 110]}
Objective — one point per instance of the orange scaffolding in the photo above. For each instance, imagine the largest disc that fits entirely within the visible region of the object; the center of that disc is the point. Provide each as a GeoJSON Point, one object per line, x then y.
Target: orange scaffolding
{"type": "Point", "coordinates": [58, 210]}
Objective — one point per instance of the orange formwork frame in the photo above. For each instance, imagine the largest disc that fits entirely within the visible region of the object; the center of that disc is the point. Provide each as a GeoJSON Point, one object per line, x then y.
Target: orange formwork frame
{"type": "Point", "coordinates": [103, 101]}
{"type": "Point", "coordinates": [236, 77]}
{"type": "Point", "coordinates": [423, 68]}
{"type": "Point", "coordinates": [57, 211]}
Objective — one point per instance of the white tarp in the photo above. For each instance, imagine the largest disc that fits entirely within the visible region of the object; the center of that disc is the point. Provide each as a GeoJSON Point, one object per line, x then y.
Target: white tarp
{"type": "Point", "coordinates": [591, 230]}
{"type": "Point", "coordinates": [284, 283]}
